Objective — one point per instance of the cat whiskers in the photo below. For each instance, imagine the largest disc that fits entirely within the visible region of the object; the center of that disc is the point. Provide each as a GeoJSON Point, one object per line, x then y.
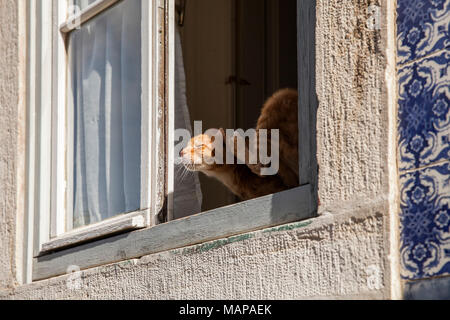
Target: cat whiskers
{"type": "Point", "coordinates": [185, 166]}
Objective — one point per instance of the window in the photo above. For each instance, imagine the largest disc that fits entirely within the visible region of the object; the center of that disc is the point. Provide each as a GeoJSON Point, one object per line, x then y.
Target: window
{"type": "Point", "coordinates": [90, 72]}
{"type": "Point", "coordinates": [101, 104]}
{"type": "Point", "coordinates": [101, 125]}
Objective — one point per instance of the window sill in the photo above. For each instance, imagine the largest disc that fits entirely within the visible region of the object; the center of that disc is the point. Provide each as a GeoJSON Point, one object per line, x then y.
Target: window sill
{"type": "Point", "coordinates": [269, 211]}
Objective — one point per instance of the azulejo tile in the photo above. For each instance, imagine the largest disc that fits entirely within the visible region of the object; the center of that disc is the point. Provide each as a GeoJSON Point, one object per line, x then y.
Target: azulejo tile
{"type": "Point", "coordinates": [424, 112]}
{"type": "Point", "coordinates": [422, 28]}
{"type": "Point", "coordinates": [425, 222]}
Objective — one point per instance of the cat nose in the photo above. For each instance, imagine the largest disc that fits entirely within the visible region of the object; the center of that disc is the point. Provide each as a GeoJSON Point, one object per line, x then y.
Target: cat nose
{"type": "Point", "coordinates": [181, 153]}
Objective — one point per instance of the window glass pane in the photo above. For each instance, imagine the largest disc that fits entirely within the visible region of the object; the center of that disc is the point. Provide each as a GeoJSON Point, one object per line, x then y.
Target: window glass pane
{"type": "Point", "coordinates": [105, 81]}
{"type": "Point", "coordinates": [81, 4]}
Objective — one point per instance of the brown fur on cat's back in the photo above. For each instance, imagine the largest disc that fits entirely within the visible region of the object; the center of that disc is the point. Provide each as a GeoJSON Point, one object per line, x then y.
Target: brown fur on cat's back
{"type": "Point", "coordinates": [281, 112]}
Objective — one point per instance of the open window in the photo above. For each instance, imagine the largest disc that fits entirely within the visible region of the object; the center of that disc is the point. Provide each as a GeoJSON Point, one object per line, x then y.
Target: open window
{"type": "Point", "coordinates": [102, 108]}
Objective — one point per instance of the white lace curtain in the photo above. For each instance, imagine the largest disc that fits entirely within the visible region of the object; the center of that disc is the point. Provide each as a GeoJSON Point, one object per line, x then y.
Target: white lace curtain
{"type": "Point", "coordinates": [105, 67]}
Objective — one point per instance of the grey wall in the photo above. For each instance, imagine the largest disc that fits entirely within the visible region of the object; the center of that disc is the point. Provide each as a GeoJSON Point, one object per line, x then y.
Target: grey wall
{"type": "Point", "coordinates": [349, 252]}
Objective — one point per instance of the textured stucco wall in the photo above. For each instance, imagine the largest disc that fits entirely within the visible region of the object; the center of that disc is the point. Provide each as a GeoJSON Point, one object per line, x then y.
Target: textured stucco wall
{"type": "Point", "coordinates": [346, 253]}
{"type": "Point", "coordinates": [9, 99]}
{"type": "Point", "coordinates": [423, 65]}
{"type": "Point", "coordinates": [332, 257]}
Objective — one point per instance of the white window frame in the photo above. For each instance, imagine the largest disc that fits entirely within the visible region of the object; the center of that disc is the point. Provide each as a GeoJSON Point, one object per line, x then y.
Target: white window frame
{"type": "Point", "coordinates": [61, 233]}
{"type": "Point", "coordinates": [51, 251]}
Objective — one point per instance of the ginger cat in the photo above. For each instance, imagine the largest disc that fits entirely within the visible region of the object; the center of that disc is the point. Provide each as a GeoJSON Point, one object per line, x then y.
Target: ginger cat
{"type": "Point", "coordinates": [245, 180]}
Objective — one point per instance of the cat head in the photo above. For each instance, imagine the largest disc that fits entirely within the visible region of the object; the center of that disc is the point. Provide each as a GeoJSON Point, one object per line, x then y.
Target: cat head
{"type": "Point", "coordinates": [200, 152]}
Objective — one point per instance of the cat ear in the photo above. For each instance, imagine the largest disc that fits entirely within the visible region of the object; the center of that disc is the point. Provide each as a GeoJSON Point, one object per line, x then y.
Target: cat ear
{"type": "Point", "coordinates": [213, 131]}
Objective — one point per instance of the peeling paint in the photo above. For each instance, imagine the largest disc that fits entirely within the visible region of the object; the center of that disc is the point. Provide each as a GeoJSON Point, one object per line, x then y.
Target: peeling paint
{"type": "Point", "coordinates": [217, 244]}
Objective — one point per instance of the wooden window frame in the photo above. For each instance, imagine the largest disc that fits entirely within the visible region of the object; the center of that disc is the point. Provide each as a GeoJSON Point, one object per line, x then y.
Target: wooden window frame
{"type": "Point", "coordinates": [138, 234]}
{"type": "Point", "coordinates": [61, 233]}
